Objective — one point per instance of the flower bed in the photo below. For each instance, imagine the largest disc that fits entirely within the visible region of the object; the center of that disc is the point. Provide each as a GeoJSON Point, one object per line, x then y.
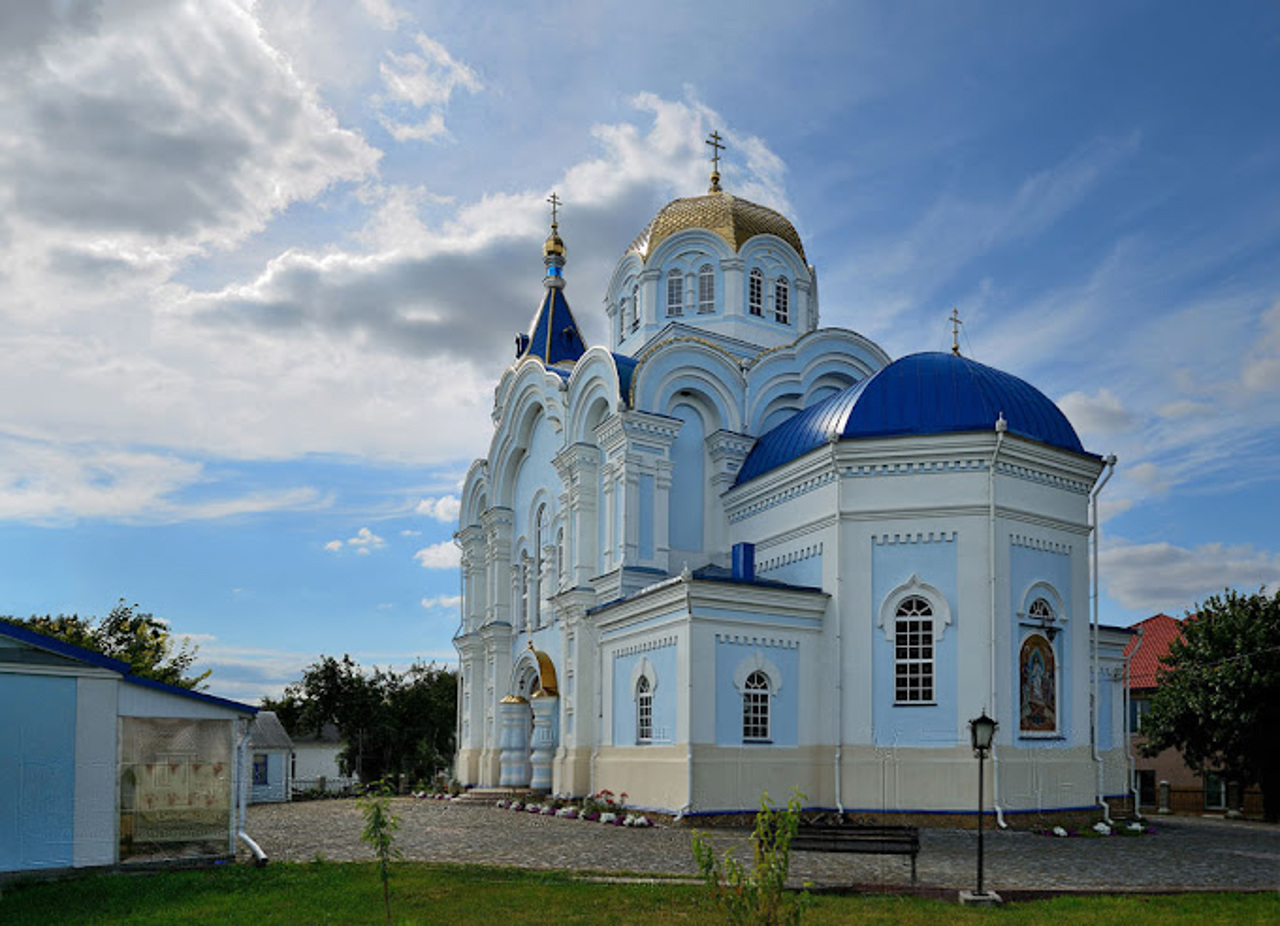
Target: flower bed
{"type": "Point", "coordinates": [1098, 830]}
{"type": "Point", "coordinates": [602, 807]}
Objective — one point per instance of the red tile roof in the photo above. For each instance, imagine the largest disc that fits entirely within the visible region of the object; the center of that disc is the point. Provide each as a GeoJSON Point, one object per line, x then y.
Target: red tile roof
{"type": "Point", "coordinates": [1157, 633]}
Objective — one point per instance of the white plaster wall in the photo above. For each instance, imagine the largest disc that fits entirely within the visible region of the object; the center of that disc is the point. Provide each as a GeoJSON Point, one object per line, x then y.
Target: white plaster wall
{"type": "Point", "coordinates": [97, 812]}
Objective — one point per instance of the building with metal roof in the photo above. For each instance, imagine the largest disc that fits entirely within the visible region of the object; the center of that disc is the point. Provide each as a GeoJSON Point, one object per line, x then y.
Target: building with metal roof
{"type": "Point", "coordinates": [733, 551]}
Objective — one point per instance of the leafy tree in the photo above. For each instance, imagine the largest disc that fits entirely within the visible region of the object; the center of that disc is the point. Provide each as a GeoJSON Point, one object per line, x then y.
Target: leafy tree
{"type": "Point", "coordinates": [1217, 699]}
{"type": "Point", "coordinates": [140, 639]}
{"type": "Point", "coordinates": [379, 834]}
{"type": "Point", "coordinates": [394, 723]}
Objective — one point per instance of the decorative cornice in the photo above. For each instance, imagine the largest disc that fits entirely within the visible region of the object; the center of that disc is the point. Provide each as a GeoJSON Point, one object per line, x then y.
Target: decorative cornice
{"type": "Point", "coordinates": [881, 540]}
{"type": "Point", "coordinates": [746, 639]}
{"type": "Point", "coordinates": [777, 561]}
{"type": "Point", "coordinates": [790, 492]}
{"type": "Point", "coordinates": [645, 646]}
{"type": "Point", "coordinates": [1035, 543]}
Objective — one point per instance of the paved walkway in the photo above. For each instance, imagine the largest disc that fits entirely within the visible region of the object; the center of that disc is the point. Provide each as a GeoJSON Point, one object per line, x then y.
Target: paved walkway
{"type": "Point", "coordinates": [1185, 854]}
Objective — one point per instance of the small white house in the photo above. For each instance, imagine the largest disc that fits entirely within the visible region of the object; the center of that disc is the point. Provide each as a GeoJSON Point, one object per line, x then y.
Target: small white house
{"type": "Point", "coordinates": [315, 761]}
{"type": "Point", "coordinates": [270, 757]}
{"type": "Point", "coordinates": [101, 767]}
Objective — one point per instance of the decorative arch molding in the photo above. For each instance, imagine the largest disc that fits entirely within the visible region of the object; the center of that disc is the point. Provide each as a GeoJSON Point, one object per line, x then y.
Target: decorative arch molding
{"type": "Point", "coordinates": [475, 493]}
{"type": "Point", "coordinates": [594, 380]}
{"type": "Point", "coordinates": [1045, 590]}
{"type": "Point", "coordinates": [700, 244]}
{"type": "Point", "coordinates": [693, 365]}
{"type": "Point", "coordinates": [531, 394]}
{"type": "Point", "coordinates": [643, 669]}
{"type": "Point", "coordinates": [758, 662]}
{"type": "Point", "coordinates": [536, 665]}
{"type": "Point", "coordinates": [771, 253]}
{"type": "Point", "coordinates": [914, 586]}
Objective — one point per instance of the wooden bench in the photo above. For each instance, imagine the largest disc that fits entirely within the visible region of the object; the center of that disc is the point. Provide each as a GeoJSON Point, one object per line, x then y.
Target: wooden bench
{"type": "Point", "coordinates": [871, 840]}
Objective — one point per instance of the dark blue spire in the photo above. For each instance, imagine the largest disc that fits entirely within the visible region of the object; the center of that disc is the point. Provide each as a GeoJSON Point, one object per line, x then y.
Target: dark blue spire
{"type": "Point", "coordinates": [553, 337]}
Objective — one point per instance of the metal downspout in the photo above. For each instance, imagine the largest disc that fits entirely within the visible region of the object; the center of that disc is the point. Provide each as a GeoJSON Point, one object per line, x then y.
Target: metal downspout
{"type": "Point", "coordinates": [242, 796]}
{"type": "Point", "coordinates": [1110, 462]}
{"type": "Point", "coordinates": [839, 616]}
{"type": "Point", "coordinates": [688, 736]}
{"type": "Point", "coordinates": [1001, 427]}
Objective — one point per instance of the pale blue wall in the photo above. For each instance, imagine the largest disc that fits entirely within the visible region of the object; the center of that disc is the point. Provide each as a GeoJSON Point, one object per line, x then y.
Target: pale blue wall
{"type": "Point", "coordinates": [273, 790]}
{"type": "Point", "coordinates": [1106, 691]}
{"type": "Point", "coordinates": [665, 696]}
{"type": "Point", "coordinates": [784, 708]}
{"type": "Point", "coordinates": [1027, 567]}
{"type": "Point", "coordinates": [687, 477]}
{"type": "Point", "coordinates": [805, 572]}
{"type": "Point", "coordinates": [914, 724]}
{"type": "Point", "coordinates": [646, 516]}
{"type": "Point", "coordinates": [37, 771]}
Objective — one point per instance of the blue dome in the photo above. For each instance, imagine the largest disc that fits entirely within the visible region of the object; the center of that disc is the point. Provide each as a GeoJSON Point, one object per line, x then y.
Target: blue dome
{"type": "Point", "coordinates": [928, 393]}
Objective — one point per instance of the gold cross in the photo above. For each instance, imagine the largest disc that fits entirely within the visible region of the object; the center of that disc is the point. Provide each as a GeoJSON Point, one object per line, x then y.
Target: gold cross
{"type": "Point", "coordinates": [955, 331]}
{"type": "Point", "coordinates": [555, 206]}
{"type": "Point", "coordinates": [714, 142]}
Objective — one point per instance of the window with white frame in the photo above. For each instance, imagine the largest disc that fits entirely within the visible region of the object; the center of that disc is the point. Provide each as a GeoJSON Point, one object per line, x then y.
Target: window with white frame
{"type": "Point", "coordinates": [635, 307]}
{"type": "Point", "coordinates": [913, 652]}
{"type": "Point", "coordinates": [755, 708]}
{"type": "Point", "coordinates": [755, 292]}
{"type": "Point", "coordinates": [782, 301]}
{"type": "Point", "coordinates": [1041, 610]}
{"type": "Point", "coordinates": [644, 710]}
{"type": "Point", "coordinates": [524, 592]}
{"type": "Point", "coordinates": [706, 289]}
{"type": "Point", "coordinates": [675, 293]}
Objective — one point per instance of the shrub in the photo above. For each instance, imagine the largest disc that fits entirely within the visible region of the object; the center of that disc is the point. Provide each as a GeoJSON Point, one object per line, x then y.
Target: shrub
{"type": "Point", "coordinates": [758, 897]}
{"type": "Point", "coordinates": [380, 826]}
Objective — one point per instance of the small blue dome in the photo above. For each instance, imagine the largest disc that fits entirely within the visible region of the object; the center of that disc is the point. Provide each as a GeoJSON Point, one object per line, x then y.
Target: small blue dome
{"type": "Point", "coordinates": [927, 393]}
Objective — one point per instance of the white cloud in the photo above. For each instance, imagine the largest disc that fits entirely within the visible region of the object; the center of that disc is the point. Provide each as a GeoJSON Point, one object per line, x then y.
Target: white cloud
{"type": "Point", "coordinates": [364, 542]}
{"type": "Point", "coordinates": [442, 601]}
{"type": "Point", "coordinates": [384, 13]}
{"type": "Point", "coordinates": [443, 555]}
{"type": "Point", "coordinates": [1099, 414]}
{"type": "Point", "coordinates": [444, 509]}
{"type": "Point", "coordinates": [1164, 577]}
{"type": "Point", "coordinates": [424, 81]}
{"type": "Point", "coordinates": [410, 533]}
{"type": "Point", "coordinates": [1261, 371]}
{"type": "Point", "coordinates": [49, 482]}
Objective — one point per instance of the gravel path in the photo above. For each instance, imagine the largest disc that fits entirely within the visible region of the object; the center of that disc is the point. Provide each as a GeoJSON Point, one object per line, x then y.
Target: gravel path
{"type": "Point", "coordinates": [1186, 852]}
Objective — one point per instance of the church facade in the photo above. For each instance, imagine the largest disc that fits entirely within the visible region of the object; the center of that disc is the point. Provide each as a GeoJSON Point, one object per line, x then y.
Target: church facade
{"type": "Point", "coordinates": [736, 552]}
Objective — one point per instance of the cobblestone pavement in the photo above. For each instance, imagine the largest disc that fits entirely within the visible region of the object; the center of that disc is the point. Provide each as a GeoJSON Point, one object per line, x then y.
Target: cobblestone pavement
{"type": "Point", "coordinates": [1186, 853]}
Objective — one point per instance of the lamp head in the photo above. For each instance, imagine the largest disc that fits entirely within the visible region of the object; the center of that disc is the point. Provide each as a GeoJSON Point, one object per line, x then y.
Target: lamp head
{"type": "Point", "coordinates": [982, 731]}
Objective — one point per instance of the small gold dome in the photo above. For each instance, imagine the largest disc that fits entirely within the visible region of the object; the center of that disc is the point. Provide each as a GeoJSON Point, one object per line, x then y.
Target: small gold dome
{"type": "Point", "coordinates": [553, 247]}
{"type": "Point", "coordinates": [734, 219]}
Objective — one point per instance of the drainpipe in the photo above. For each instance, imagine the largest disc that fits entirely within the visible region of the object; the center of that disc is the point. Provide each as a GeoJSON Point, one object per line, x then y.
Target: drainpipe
{"type": "Point", "coordinates": [1001, 427]}
{"type": "Point", "coordinates": [242, 789]}
{"type": "Point", "coordinates": [1110, 462]}
{"type": "Point", "coordinates": [1130, 764]}
{"type": "Point", "coordinates": [839, 616]}
{"type": "Point", "coordinates": [688, 722]}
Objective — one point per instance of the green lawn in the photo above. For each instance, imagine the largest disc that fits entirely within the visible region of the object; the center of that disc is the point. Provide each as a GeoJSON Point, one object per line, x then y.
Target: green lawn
{"type": "Point", "coordinates": [336, 893]}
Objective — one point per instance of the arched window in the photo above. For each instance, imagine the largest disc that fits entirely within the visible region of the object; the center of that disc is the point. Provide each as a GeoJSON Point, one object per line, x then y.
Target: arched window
{"type": "Point", "coordinates": [1041, 610]}
{"type": "Point", "coordinates": [755, 292]}
{"type": "Point", "coordinates": [622, 320]}
{"type": "Point", "coordinates": [522, 619]}
{"type": "Point", "coordinates": [706, 289]}
{"type": "Point", "coordinates": [644, 710]}
{"type": "Point", "coordinates": [635, 307]}
{"type": "Point", "coordinates": [541, 527]}
{"type": "Point", "coordinates": [782, 302]}
{"type": "Point", "coordinates": [913, 652]}
{"type": "Point", "coordinates": [559, 557]}
{"type": "Point", "coordinates": [675, 293]}
{"type": "Point", "coordinates": [755, 708]}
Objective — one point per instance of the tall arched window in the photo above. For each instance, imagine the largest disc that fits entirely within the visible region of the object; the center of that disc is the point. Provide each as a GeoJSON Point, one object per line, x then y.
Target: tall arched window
{"type": "Point", "coordinates": [755, 708]}
{"type": "Point", "coordinates": [540, 530]}
{"type": "Point", "coordinates": [706, 289]}
{"type": "Point", "coordinates": [644, 710]}
{"type": "Point", "coordinates": [622, 320]}
{"type": "Point", "coordinates": [522, 620]}
{"type": "Point", "coordinates": [782, 301]}
{"type": "Point", "coordinates": [755, 292]}
{"type": "Point", "coordinates": [675, 293]}
{"type": "Point", "coordinates": [559, 557]}
{"type": "Point", "coordinates": [913, 652]}
{"type": "Point", "coordinates": [635, 307]}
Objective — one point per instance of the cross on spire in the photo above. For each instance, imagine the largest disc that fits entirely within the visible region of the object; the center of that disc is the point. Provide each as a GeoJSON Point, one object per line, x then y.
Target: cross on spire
{"type": "Point", "coordinates": [555, 208]}
{"type": "Point", "coordinates": [716, 147]}
{"type": "Point", "coordinates": [955, 331]}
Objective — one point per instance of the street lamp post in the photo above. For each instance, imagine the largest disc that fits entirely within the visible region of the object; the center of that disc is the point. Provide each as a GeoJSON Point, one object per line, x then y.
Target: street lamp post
{"type": "Point", "coordinates": [982, 731]}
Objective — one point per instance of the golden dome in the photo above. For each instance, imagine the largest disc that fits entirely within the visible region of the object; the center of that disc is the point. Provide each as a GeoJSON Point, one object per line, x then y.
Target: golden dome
{"type": "Point", "coordinates": [553, 247]}
{"type": "Point", "coordinates": [734, 219]}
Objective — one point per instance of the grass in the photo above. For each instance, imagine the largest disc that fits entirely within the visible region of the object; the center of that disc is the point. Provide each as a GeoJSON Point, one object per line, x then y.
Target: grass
{"type": "Point", "coordinates": [321, 892]}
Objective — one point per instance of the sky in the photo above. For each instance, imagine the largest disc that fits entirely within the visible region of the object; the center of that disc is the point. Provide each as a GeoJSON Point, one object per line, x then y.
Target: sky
{"type": "Point", "coordinates": [262, 265]}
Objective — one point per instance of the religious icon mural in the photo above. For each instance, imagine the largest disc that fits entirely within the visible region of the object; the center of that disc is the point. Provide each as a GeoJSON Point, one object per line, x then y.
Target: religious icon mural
{"type": "Point", "coordinates": [1039, 709]}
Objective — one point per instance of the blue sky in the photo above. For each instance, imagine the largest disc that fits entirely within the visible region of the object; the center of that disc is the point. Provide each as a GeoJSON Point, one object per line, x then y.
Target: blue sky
{"type": "Point", "coordinates": [261, 265]}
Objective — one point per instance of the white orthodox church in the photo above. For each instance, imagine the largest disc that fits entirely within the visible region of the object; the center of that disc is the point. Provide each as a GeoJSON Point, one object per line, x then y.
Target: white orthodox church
{"type": "Point", "coordinates": [736, 552]}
